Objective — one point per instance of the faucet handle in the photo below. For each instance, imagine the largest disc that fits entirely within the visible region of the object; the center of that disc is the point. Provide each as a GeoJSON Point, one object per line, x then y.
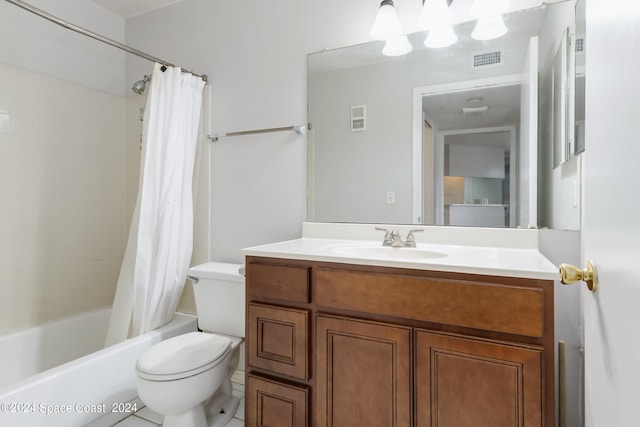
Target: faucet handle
{"type": "Point", "coordinates": [410, 241]}
{"type": "Point", "coordinates": [387, 236]}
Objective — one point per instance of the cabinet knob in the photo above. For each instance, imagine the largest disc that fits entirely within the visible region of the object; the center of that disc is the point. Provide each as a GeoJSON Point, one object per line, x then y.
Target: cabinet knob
{"type": "Point", "coordinates": [571, 274]}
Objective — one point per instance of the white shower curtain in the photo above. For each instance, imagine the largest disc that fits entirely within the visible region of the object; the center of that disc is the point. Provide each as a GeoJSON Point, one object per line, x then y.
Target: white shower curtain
{"type": "Point", "coordinates": [159, 248]}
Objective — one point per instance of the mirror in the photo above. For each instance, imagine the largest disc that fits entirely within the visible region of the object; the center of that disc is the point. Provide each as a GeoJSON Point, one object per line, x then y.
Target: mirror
{"type": "Point", "coordinates": [579, 43]}
{"type": "Point", "coordinates": [387, 134]}
{"type": "Point", "coordinates": [561, 80]}
{"type": "Point", "coordinates": [568, 91]}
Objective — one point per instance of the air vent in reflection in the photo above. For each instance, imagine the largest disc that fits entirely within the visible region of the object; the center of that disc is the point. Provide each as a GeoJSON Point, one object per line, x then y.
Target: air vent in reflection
{"type": "Point", "coordinates": [487, 59]}
{"type": "Point", "coordinates": [358, 118]}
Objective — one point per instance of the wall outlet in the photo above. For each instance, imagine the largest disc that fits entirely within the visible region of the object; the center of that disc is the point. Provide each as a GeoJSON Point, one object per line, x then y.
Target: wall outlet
{"type": "Point", "coordinates": [391, 197]}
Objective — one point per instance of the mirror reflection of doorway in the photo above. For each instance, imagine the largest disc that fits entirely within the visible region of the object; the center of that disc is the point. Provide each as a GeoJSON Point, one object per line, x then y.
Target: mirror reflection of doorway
{"type": "Point", "coordinates": [478, 185]}
{"type": "Point", "coordinates": [469, 154]}
{"type": "Point", "coordinates": [477, 131]}
{"type": "Point", "coordinates": [428, 176]}
{"type": "Point", "coordinates": [506, 102]}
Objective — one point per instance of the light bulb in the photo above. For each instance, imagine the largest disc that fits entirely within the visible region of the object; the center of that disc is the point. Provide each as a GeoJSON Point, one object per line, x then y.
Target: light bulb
{"type": "Point", "coordinates": [387, 24]}
{"type": "Point", "coordinates": [435, 13]}
{"type": "Point", "coordinates": [441, 36]}
{"type": "Point", "coordinates": [489, 28]}
{"type": "Point", "coordinates": [397, 46]}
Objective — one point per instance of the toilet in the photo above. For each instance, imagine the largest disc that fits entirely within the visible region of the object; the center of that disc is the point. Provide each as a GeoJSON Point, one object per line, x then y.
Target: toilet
{"type": "Point", "coordinates": [187, 379]}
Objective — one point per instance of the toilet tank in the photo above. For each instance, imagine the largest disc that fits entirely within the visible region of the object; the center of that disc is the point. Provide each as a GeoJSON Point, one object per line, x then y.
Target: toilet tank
{"type": "Point", "coordinates": [218, 289]}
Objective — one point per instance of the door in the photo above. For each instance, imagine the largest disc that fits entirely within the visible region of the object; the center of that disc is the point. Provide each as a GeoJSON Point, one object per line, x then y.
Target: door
{"type": "Point", "coordinates": [611, 228]}
{"type": "Point", "coordinates": [527, 207]}
{"type": "Point", "coordinates": [363, 374]}
{"type": "Point", "coordinates": [467, 382]}
{"type": "Point", "coordinates": [427, 175]}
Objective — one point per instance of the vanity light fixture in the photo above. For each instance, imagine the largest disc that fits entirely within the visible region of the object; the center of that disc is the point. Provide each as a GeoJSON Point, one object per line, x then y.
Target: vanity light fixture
{"type": "Point", "coordinates": [489, 28]}
{"type": "Point", "coordinates": [397, 46]}
{"type": "Point", "coordinates": [438, 20]}
{"type": "Point", "coordinates": [435, 13]}
{"type": "Point", "coordinates": [441, 37]}
{"type": "Point", "coordinates": [490, 24]}
{"type": "Point", "coordinates": [387, 25]}
{"type": "Point", "coordinates": [387, 28]}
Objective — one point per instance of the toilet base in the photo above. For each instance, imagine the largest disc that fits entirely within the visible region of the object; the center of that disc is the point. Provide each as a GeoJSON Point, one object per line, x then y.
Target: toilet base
{"type": "Point", "coordinates": [226, 407]}
{"type": "Point", "coordinates": [226, 412]}
{"type": "Point", "coordinates": [194, 418]}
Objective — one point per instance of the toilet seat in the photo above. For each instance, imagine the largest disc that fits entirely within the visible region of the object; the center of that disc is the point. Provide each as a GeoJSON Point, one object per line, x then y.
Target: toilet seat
{"type": "Point", "coordinates": [182, 356]}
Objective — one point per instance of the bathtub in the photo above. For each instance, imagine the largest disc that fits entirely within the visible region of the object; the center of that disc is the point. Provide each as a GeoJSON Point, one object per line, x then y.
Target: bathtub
{"type": "Point", "coordinates": [58, 374]}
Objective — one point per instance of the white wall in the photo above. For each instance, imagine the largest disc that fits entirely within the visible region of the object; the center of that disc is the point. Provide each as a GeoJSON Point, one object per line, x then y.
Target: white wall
{"type": "Point", "coordinates": [562, 246]}
{"type": "Point", "coordinates": [558, 207]}
{"type": "Point", "coordinates": [35, 44]}
{"type": "Point", "coordinates": [480, 161]}
{"type": "Point", "coordinates": [254, 53]}
{"type": "Point", "coordinates": [353, 171]}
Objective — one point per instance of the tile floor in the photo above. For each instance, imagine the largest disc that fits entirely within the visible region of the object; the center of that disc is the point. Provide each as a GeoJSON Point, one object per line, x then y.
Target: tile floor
{"type": "Point", "coordinates": [145, 417]}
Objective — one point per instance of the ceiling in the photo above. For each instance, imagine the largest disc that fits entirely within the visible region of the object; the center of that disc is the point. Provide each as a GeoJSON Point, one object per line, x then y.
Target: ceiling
{"type": "Point", "coordinates": [126, 8]}
{"type": "Point", "coordinates": [444, 110]}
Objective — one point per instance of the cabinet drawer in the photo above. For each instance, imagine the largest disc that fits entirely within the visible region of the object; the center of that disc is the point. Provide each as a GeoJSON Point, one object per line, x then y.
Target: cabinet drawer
{"type": "Point", "coordinates": [277, 340]}
{"type": "Point", "coordinates": [480, 305]}
{"type": "Point", "coordinates": [282, 282]}
{"type": "Point", "coordinates": [271, 403]}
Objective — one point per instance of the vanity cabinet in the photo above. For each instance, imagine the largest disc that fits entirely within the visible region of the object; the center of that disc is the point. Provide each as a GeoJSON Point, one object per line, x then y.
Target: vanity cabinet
{"type": "Point", "coordinates": [275, 404]}
{"type": "Point", "coordinates": [496, 384]}
{"type": "Point", "coordinates": [277, 345]}
{"type": "Point", "coordinates": [280, 338]}
{"type": "Point", "coordinates": [332, 345]}
{"type": "Point", "coordinates": [364, 373]}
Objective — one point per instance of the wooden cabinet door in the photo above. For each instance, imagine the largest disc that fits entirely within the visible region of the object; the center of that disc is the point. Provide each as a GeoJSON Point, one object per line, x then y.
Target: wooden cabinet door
{"type": "Point", "coordinates": [363, 374]}
{"type": "Point", "coordinates": [277, 340]}
{"type": "Point", "coordinates": [465, 382]}
{"type": "Point", "coordinates": [274, 404]}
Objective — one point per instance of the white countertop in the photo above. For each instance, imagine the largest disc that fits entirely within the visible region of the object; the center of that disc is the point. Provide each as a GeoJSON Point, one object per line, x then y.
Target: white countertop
{"type": "Point", "coordinates": [464, 255]}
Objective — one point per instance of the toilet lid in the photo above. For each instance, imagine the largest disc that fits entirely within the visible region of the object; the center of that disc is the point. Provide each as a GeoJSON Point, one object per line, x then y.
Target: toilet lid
{"type": "Point", "coordinates": [185, 354]}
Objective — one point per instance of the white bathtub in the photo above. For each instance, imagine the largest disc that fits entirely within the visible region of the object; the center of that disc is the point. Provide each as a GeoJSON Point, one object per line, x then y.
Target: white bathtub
{"type": "Point", "coordinates": [94, 387]}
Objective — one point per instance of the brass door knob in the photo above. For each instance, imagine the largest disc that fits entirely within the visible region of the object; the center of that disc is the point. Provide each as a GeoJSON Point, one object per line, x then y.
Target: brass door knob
{"type": "Point", "coordinates": [570, 274]}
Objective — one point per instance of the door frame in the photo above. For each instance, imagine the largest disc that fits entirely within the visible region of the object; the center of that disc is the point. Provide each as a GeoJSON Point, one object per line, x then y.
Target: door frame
{"type": "Point", "coordinates": [417, 168]}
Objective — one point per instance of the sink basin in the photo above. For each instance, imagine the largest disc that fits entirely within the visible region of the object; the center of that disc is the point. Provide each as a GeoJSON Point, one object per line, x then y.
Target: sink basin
{"type": "Point", "coordinates": [386, 252]}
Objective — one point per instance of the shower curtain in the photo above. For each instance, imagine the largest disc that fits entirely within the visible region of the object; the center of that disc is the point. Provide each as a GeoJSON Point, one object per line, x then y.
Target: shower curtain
{"type": "Point", "coordinates": [159, 248]}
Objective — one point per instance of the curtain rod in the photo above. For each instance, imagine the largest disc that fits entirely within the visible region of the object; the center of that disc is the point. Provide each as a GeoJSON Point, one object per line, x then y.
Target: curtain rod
{"type": "Point", "coordinates": [96, 36]}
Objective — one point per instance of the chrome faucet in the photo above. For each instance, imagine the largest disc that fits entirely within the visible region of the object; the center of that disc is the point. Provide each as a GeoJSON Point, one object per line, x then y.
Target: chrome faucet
{"type": "Point", "coordinates": [393, 239]}
{"type": "Point", "coordinates": [410, 242]}
{"type": "Point", "coordinates": [387, 240]}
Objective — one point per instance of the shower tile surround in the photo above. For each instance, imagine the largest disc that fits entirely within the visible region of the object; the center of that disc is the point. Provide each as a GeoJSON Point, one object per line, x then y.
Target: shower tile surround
{"type": "Point", "coordinates": [63, 223]}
